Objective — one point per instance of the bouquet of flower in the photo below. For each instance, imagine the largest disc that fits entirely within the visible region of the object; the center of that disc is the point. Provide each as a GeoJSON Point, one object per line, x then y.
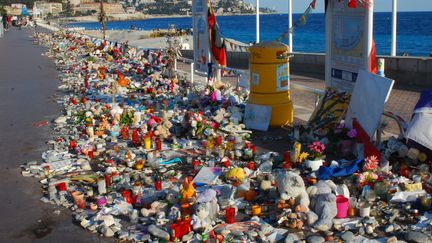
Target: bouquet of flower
{"type": "Point", "coordinates": [370, 172]}
{"type": "Point", "coordinates": [316, 151]}
{"type": "Point", "coordinates": [367, 177]}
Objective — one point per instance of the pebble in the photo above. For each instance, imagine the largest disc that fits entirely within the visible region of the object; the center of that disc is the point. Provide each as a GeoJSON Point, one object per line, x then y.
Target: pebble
{"type": "Point", "coordinates": [389, 228]}
{"type": "Point", "coordinates": [347, 236]}
{"type": "Point", "coordinates": [187, 237]}
{"type": "Point", "coordinates": [392, 240]}
{"type": "Point", "coordinates": [107, 231]}
{"type": "Point", "coordinates": [417, 237]}
{"type": "Point", "coordinates": [315, 239]}
{"type": "Point", "coordinates": [292, 237]}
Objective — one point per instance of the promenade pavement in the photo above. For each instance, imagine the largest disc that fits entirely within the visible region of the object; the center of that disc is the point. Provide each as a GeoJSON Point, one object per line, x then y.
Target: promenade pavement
{"type": "Point", "coordinates": [28, 83]}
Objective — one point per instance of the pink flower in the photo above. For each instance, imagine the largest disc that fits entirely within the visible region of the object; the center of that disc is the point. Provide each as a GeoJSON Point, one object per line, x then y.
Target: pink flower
{"type": "Point", "coordinates": [317, 147]}
{"type": "Point", "coordinates": [371, 163]}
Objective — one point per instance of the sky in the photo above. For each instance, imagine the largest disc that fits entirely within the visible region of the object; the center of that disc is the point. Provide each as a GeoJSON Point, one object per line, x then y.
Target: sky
{"type": "Point", "coordinates": [299, 6]}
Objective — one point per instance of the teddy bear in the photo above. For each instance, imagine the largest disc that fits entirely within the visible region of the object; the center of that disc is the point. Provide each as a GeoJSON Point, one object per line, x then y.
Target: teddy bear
{"type": "Point", "coordinates": [220, 115]}
{"type": "Point", "coordinates": [155, 207]}
{"type": "Point", "coordinates": [291, 186]}
{"type": "Point", "coordinates": [235, 114]}
{"type": "Point", "coordinates": [163, 129]}
{"type": "Point", "coordinates": [323, 203]}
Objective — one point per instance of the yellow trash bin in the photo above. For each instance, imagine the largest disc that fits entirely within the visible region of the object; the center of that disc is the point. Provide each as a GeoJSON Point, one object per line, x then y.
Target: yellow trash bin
{"type": "Point", "coordinates": [269, 80]}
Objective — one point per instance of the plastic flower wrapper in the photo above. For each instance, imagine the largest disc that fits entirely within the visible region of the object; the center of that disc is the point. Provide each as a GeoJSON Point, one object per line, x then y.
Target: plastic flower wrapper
{"type": "Point", "coordinates": [413, 153]}
{"type": "Point", "coordinates": [367, 177]}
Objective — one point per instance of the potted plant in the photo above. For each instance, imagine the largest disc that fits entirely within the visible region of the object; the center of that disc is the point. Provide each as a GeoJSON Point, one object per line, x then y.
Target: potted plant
{"type": "Point", "coordinates": [316, 156]}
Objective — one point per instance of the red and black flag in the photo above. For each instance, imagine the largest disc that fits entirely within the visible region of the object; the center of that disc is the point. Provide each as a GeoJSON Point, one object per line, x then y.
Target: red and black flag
{"type": "Point", "coordinates": [217, 42]}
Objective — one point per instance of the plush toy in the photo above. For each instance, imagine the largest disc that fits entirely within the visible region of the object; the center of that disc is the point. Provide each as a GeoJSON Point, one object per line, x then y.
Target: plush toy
{"type": "Point", "coordinates": [174, 214]}
{"type": "Point", "coordinates": [220, 115]}
{"type": "Point", "coordinates": [162, 129]}
{"type": "Point", "coordinates": [122, 81]}
{"type": "Point", "coordinates": [236, 115]}
{"type": "Point", "coordinates": [187, 193]}
{"type": "Point", "coordinates": [291, 187]}
{"type": "Point", "coordinates": [209, 200]}
{"type": "Point", "coordinates": [115, 129]}
{"type": "Point", "coordinates": [323, 203]}
{"type": "Point", "coordinates": [236, 176]}
{"type": "Point", "coordinates": [201, 219]}
{"type": "Point", "coordinates": [155, 207]}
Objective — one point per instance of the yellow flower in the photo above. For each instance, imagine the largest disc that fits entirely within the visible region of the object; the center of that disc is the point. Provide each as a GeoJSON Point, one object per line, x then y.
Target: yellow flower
{"type": "Point", "coordinates": [422, 157]}
{"type": "Point", "coordinates": [303, 156]}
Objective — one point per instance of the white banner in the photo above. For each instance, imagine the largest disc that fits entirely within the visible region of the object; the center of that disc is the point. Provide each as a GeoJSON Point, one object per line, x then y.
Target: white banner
{"type": "Point", "coordinates": [349, 34]}
{"type": "Point", "coordinates": [201, 41]}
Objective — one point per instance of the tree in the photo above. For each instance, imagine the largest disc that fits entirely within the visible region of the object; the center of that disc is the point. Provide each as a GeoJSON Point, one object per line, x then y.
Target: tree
{"type": "Point", "coordinates": [2, 11]}
{"type": "Point", "coordinates": [67, 12]}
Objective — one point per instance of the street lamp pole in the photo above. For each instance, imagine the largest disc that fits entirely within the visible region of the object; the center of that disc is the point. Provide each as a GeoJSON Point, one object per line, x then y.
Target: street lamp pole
{"type": "Point", "coordinates": [290, 36]}
{"type": "Point", "coordinates": [394, 28]}
{"type": "Point", "coordinates": [257, 22]}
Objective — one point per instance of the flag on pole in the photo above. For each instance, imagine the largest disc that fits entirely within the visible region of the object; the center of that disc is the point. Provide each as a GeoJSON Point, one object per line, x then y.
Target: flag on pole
{"type": "Point", "coordinates": [373, 68]}
{"type": "Point", "coordinates": [217, 43]}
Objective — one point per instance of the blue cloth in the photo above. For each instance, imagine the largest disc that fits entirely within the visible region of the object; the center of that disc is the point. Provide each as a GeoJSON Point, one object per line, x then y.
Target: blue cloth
{"type": "Point", "coordinates": [326, 173]}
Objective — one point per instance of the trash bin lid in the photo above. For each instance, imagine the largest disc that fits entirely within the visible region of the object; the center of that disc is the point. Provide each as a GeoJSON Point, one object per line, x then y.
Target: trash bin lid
{"type": "Point", "coordinates": [269, 52]}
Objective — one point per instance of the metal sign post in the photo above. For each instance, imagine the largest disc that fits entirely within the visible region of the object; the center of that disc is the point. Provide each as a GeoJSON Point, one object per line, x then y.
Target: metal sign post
{"type": "Point", "coordinates": [349, 37]}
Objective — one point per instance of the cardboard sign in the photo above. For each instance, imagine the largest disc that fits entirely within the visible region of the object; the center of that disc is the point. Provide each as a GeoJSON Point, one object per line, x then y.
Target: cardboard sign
{"type": "Point", "coordinates": [370, 94]}
{"type": "Point", "coordinates": [257, 117]}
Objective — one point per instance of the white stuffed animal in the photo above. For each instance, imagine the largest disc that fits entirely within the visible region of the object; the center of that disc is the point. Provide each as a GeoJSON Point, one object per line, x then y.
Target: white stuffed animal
{"type": "Point", "coordinates": [201, 219]}
{"type": "Point", "coordinates": [291, 185]}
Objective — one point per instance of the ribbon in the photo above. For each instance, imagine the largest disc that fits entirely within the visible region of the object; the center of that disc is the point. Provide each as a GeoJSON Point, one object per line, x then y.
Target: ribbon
{"type": "Point", "coordinates": [300, 22]}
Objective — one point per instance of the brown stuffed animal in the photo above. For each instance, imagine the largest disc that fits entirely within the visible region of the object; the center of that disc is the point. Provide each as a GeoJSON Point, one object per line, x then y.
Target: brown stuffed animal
{"type": "Point", "coordinates": [162, 130]}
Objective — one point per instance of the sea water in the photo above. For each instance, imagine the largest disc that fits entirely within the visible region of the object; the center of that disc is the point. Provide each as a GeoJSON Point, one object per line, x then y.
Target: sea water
{"type": "Point", "coordinates": [414, 35]}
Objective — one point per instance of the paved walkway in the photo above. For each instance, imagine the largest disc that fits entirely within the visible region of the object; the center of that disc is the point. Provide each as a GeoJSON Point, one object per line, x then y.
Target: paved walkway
{"type": "Point", "coordinates": [28, 83]}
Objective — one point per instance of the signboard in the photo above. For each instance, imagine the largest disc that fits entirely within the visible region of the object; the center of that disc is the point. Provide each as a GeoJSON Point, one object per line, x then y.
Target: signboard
{"type": "Point", "coordinates": [349, 33]}
{"type": "Point", "coordinates": [370, 94]}
{"type": "Point", "coordinates": [282, 77]}
{"type": "Point", "coordinates": [257, 117]}
{"type": "Point", "coordinates": [201, 41]}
